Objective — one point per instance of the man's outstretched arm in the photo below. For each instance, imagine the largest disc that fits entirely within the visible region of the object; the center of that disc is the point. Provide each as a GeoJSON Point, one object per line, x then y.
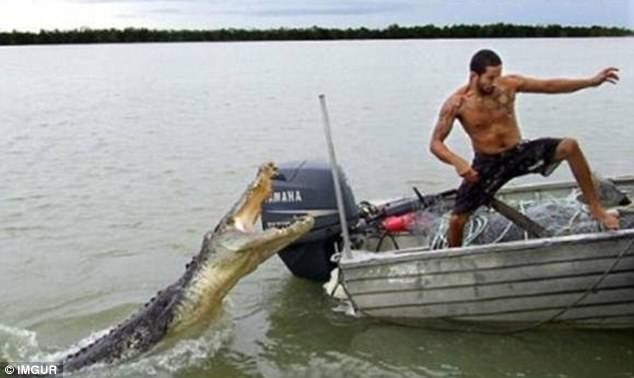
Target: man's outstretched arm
{"type": "Point", "coordinates": [443, 127]}
{"type": "Point", "coordinates": [532, 85]}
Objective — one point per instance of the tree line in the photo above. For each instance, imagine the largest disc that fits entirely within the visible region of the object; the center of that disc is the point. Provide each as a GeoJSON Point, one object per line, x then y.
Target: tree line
{"type": "Point", "coordinates": [500, 30]}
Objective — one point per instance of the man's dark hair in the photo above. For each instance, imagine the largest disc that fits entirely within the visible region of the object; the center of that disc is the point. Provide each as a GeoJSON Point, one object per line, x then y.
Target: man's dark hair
{"type": "Point", "coordinates": [483, 59]}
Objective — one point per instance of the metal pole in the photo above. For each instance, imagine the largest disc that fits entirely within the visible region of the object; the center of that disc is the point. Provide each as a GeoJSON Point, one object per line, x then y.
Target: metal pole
{"type": "Point", "coordinates": [335, 178]}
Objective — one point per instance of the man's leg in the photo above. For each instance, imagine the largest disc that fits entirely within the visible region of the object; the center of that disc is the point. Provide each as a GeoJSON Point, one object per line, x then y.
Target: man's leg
{"type": "Point", "coordinates": [456, 225]}
{"type": "Point", "coordinates": [569, 150]}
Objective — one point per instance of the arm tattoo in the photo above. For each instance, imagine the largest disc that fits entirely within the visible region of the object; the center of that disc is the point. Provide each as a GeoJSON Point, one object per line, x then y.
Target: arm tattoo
{"type": "Point", "coordinates": [445, 120]}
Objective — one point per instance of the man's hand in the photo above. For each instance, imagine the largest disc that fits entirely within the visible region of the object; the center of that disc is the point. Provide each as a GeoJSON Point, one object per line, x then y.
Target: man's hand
{"type": "Point", "coordinates": [468, 173]}
{"type": "Point", "coordinates": [607, 74]}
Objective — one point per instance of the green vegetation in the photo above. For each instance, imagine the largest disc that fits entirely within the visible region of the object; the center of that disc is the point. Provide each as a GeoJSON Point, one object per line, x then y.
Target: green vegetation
{"type": "Point", "coordinates": [86, 35]}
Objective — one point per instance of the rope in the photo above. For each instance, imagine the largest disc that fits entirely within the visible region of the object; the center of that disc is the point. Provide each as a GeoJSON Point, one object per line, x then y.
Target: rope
{"type": "Point", "coordinates": [523, 211]}
{"type": "Point", "coordinates": [477, 225]}
{"type": "Point", "coordinates": [589, 290]}
{"type": "Point", "coordinates": [506, 229]}
{"type": "Point", "coordinates": [340, 282]}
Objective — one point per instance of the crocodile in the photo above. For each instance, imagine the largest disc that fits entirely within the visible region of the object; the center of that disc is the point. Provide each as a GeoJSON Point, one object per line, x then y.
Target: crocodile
{"type": "Point", "coordinates": [229, 252]}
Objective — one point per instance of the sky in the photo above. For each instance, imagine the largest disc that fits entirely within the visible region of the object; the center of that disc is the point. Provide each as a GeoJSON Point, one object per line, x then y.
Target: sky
{"type": "Point", "coordinates": [33, 15]}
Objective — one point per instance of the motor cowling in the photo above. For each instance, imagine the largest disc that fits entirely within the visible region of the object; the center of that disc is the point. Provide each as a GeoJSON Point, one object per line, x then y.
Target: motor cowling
{"type": "Point", "coordinates": [306, 187]}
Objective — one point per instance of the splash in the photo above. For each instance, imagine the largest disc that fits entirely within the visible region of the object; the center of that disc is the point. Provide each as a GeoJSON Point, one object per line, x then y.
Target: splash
{"type": "Point", "coordinates": [164, 361]}
{"type": "Point", "coordinates": [17, 344]}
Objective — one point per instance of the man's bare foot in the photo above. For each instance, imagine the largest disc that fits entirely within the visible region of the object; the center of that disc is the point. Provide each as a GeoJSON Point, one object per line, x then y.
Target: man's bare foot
{"type": "Point", "coordinates": [608, 220]}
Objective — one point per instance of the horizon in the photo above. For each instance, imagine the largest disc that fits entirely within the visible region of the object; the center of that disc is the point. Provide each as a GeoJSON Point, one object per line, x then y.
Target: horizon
{"type": "Point", "coordinates": [36, 15]}
{"type": "Point", "coordinates": [256, 29]}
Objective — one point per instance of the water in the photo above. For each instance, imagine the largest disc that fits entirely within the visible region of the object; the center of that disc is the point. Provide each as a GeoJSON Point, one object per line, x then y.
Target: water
{"type": "Point", "coordinates": [116, 159]}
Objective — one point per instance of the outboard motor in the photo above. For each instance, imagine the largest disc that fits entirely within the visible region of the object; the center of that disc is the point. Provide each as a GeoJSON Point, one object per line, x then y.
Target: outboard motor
{"type": "Point", "coordinates": [306, 187]}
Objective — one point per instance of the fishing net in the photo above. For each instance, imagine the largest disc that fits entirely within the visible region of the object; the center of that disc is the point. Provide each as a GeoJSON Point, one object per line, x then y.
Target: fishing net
{"type": "Point", "coordinates": [561, 216]}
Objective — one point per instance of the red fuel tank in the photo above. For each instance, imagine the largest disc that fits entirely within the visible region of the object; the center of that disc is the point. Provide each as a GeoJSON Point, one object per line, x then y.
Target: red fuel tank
{"type": "Point", "coordinates": [399, 223]}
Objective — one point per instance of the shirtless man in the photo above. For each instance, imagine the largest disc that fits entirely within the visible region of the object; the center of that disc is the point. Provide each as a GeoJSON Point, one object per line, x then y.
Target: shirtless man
{"type": "Point", "coordinates": [485, 108]}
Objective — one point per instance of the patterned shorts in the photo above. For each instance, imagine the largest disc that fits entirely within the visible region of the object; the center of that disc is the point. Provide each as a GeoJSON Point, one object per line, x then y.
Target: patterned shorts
{"type": "Point", "coordinates": [536, 156]}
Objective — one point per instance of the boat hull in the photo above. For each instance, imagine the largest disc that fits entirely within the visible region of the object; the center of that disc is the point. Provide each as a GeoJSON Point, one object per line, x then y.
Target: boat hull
{"type": "Point", "coordinates": [581, 280]}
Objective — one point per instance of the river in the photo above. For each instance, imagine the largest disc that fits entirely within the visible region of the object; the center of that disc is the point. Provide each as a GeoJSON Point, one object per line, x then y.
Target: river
{"type": "Point", "coordinates": [116, 159]}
